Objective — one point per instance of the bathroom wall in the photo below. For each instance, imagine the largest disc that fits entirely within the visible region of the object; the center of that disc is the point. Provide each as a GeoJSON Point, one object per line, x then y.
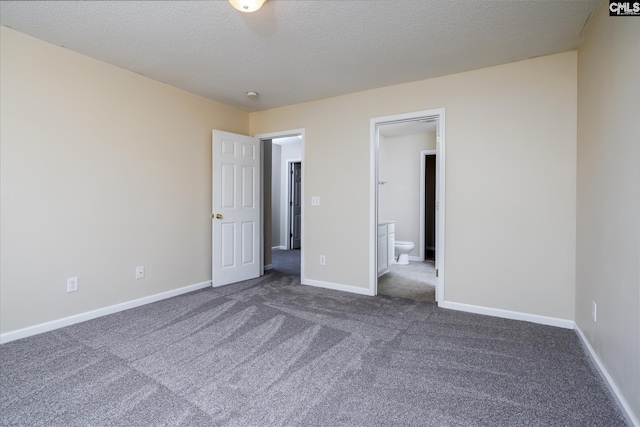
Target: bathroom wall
{"type": "Point", "coordinates": [399, 198]}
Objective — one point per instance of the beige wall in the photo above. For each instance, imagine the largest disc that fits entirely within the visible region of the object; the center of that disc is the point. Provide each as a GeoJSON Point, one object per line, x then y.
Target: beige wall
{"type": "Point", "coordinates": [400, 167]}
{"type": "Point", "coordinates": [510, 181]}
{"type": "Point", "coordinates": [101, 170]}
{"type": "Point", "coordinates": [608, 200]}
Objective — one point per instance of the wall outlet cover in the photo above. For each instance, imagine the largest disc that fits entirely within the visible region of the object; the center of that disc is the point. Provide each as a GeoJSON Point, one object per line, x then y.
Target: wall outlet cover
{"type": "Point", "coordinates": [72, 284]}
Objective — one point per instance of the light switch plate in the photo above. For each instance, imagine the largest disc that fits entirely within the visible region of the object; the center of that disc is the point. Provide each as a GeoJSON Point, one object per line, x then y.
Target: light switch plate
{"type": "Point", "coordinates": [315, 201]}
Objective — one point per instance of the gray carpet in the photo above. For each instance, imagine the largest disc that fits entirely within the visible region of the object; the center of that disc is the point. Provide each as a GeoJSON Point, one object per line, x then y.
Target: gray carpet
{"type": "Point", "coordinates": [286, 261]}
{"type": "Point", "coordinates": [271, 352]}
{"type": "Point", "coordinates": [417, 281]}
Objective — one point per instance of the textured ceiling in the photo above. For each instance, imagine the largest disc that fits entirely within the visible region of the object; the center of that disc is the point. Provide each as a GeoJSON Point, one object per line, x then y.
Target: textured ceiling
{"type": "Point", "coordinates": [302, 50]}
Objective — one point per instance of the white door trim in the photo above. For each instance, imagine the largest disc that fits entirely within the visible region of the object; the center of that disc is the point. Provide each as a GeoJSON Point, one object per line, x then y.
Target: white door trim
{"type": "Point", "coordinates": [271, 135]}
{"type": "Point", "coordinates": [439, 114]}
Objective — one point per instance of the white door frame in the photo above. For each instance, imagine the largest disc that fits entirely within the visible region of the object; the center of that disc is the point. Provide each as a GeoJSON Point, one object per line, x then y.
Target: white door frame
{"type": "Point", "coordinates": [439, 115]}
{"type": "Point", "coordinates": [423, 210]}
{"type": "Point", "coordinates": [282, 134]}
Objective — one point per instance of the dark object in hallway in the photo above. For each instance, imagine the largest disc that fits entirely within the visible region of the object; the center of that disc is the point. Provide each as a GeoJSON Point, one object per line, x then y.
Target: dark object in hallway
{"type": "Point", "coordinates": [430, 207]}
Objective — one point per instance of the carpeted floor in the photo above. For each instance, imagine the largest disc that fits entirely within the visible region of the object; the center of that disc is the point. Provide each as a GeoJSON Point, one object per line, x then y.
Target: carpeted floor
{"type": "Point", "coordinates": [286, 261]}
{"type": "Point", "coordinates": [271, 352]}
{"type": "Point", "coordinates": [417, 281]}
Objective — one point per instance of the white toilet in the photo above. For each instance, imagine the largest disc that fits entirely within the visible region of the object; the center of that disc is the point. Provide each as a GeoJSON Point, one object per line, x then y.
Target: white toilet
{"type": "Point", "coordinates": [402, 250]}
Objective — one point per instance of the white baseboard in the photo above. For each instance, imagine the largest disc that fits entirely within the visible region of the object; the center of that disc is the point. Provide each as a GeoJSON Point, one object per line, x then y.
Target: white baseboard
{"type": "Point", "coordinates": [415, 258]}
{"type": "Point", "coordinates": [279, 247]}
{"type": "Point", "coordinates": [268, 267]}
{"type": "Point", "coordinates": [507, 314]}
{"type": "Point", "coordinates": [337, 287]}
{"type": "Point", "coordinates": [624, 406]}
{"type": "Point", "coordinates": [83, 317]}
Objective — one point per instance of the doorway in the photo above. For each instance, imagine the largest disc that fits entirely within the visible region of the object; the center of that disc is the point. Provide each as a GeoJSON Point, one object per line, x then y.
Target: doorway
{"type": "Point", "coordinates": [282, 210]}
{"type": "Point", "coordinates": [408, 123]}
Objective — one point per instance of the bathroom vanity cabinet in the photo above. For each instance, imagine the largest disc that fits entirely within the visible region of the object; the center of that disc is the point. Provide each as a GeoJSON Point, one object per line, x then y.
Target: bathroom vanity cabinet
{"type": "Point", "coordinates": [386, 239]}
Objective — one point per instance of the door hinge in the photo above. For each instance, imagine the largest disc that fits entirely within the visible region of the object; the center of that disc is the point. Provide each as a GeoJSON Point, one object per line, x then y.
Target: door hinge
{"type": "Point", "coordinates": [438, 206]}
{"type": "Point", "coordinates": [436, 272]}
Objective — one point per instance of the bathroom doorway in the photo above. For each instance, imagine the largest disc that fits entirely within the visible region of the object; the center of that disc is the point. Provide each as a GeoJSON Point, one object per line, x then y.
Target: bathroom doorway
{"type": "Point", "coordinates": [403, 148]}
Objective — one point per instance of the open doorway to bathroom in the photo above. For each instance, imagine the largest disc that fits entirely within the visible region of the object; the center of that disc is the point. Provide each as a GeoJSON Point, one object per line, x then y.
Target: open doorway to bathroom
{"type": "Point", "coordinates": [409, 196]}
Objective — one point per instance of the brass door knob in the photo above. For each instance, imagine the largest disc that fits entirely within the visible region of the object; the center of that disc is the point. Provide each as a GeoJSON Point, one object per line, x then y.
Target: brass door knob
{"type": "Point", "coordinates": [219, 216]}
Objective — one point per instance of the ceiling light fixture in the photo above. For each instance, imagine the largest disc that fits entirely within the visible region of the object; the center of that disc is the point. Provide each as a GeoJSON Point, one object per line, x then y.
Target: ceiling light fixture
{"type": "Point", "coordinates": [247, 5]}
{"type": "Point", "coordinates": [252, 94]}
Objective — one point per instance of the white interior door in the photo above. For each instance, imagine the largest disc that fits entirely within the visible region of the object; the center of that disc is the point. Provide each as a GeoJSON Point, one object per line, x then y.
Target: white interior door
{"type": "Point", "coordinates": [236, 207]}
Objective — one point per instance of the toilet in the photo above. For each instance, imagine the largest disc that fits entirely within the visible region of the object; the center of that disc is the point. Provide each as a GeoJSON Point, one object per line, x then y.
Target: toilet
{"type": "Point", "coordinates": [402, 250]}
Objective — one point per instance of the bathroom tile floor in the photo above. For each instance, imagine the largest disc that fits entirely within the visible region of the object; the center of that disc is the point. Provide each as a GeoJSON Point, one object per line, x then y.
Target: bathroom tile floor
{"type": "Point", "coordinates": [415, 281]}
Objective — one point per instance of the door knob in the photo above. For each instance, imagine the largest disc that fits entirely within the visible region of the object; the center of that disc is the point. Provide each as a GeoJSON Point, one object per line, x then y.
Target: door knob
{"type": "Point", "coordinates": [218, 216]}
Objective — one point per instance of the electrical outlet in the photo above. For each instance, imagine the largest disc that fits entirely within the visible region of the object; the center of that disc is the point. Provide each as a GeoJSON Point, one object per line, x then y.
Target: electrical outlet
{"type": "Point", "coordinates": [594, 310]}
{"type": "Point", "coordinates": [323, 260]}
{"type": "Point", "coordinates": [315, 201]}
{"type": "Point", "coordinates": [140, 272]}
{"type": "Point", "coordinates": [72, 284]}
